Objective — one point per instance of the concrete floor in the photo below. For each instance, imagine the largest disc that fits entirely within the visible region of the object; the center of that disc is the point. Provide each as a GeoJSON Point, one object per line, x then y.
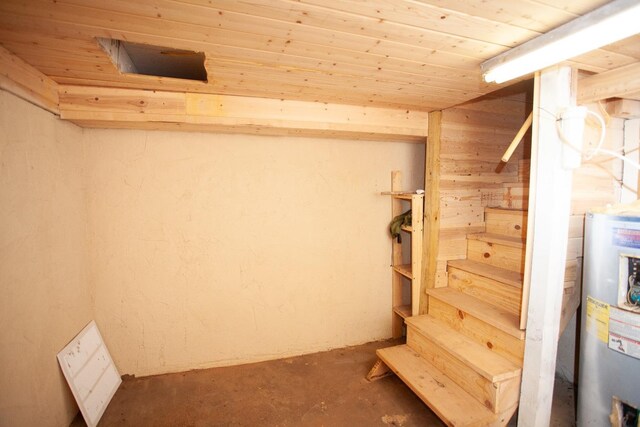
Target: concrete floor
{"type": "Point", "coordinates": [321, 389]}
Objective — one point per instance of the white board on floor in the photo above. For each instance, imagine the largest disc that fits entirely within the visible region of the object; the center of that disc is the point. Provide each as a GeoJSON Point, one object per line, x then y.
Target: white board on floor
{"type": "Point", "coordinates": [90, 372]}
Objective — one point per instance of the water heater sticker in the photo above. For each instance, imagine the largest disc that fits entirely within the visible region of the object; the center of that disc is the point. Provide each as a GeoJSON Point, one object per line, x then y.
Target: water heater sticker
{"type": "Point", "coordinates": [598, 318]}
{"type": "Point", "coordinates": [626, 237]}
{"type": "Point", "coordinates": [624, 345]}
{"type": "Point", "coordinates": [624, 332]}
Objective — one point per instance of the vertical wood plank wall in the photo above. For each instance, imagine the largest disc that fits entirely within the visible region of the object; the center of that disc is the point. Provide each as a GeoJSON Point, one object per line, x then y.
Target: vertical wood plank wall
{"type": "Point", "coordinates": [596, 182]}
{"type": "Point", "coordinates": [473, 138]}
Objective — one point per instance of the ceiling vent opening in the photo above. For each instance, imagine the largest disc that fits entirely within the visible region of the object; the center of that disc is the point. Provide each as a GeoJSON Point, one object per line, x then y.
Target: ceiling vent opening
{"type": "Point", "coordinates": [135, 58]}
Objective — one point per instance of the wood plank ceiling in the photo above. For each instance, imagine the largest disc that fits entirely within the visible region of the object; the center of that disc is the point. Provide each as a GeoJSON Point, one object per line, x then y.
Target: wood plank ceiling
{"type": "Point", "coordinates": [410, 54]}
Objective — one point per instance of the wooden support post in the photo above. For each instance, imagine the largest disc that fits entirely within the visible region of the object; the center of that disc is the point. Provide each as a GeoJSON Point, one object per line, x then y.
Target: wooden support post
{"type": "Point", "coordinates": [417, 207]}
{"type": "Point", "coordinates": [397, 322]}
{"type": "Point", "coordinates": [548, 230]}
{"type": "Point", "coordinates": [431, 234]}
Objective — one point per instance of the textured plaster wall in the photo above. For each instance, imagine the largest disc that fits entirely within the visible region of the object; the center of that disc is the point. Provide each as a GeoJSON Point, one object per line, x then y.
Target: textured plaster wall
{"type": "Point", "coordinates": [189, 250]}
{"type": "Point", "coordinates": [211, 250]}
{"type": "Point", "coordinates": [43, 261]}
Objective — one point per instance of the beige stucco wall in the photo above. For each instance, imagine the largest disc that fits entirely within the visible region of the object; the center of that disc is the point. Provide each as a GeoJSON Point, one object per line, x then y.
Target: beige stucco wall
{"type": "Point", "coordinates": [190, 250]}
{"type": "Point", "coordinates": [45, 297]}
{"type": "Point", "coordinates": [211, 250]}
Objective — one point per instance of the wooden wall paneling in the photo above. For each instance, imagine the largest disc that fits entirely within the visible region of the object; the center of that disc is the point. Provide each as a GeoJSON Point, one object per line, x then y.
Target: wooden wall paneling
{"type": "Point", "coordinates": [99, 65]}
{"type": "Point", "coordinates": [431, 208]}
{"type": "Point", "coordinates": [21, 79]}
{"type": "Point", "coordinates": [377, 78]}
{"type": "Point", "coordinates": [254, 33]}
{"type": "Point", "coordinates": [629, 46]}
{"type": "Point", "coordinates": [616, 83]}
{"type": "Point", "coordinates": [247, 86]}
{"type": "Point", "coordinates": [415, 92]}
{"type": "Point", "coordinates": [483, 120]}
{"type": "Point", "coordinates": [36, 53]}
{"type": "Point", "coordinates": [357, 17]}
{"type": "Point", "coordinates": [414, 55]}
{"type": "Point", "coordinates": [46, 40]}
{"type": "Point", "coordinates": [598, 181]}
{"type": "Point", "coordinates": [600, 60]}
{"type": "Point", "coordinates": [311, 24]}
{"type": "Point", "coordinates": [474, 136]}
{"type": "Point", "coordinates": [388, 71]}
{"type": "Point", "coordinates": [335, 58]}
{"type": "Point", "coordinates": [534, 16]}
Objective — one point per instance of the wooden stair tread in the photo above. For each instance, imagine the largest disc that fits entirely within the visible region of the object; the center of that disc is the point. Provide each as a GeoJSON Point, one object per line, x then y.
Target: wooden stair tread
{"type": "Point", "coordinates": [514, 242]}
{"type": "Point", "coordinates": [503, 275]}
{"type": "Point", "coordinates": [445, 398]}
{"type": "Point", "coordinates": [499, 318]}
{"type": "Point", "coordinates": [490, 365]}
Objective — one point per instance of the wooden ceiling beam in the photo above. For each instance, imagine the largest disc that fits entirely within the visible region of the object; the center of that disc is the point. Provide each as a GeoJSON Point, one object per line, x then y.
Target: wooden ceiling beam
{"type": "Point", "coordinates": [615, 83]}
{"type": "Point", "coordinates": [24, 81]}
{"type": "Point", "coordinates": [624, 108]}
{"type": "Point", "coordinates": [143, 109]}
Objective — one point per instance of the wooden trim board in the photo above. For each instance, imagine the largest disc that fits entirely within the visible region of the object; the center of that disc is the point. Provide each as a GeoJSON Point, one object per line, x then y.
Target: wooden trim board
{"type": "Point", "coordinates": [431, 234]}
{"type": "Point", "coordinates": [130, 108]}
{"type": "Point", "coordinates": [24, 81]}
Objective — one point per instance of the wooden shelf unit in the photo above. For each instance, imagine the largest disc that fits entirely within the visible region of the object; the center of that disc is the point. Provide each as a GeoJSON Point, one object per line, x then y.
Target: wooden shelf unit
{"type": "Point", "coordinates": [401, 271]}
{"type": "Point", "coordinates": [403, 311]}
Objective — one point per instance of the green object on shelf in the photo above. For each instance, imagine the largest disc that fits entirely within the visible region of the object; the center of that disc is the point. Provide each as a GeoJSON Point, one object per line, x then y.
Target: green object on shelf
{"type": "Point", "coordinates": [398, 222]}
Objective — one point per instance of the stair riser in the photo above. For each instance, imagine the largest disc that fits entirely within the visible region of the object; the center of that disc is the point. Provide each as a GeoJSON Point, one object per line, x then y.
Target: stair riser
{"type": "Point", "coordinates": [512, 224]}
{"type": "Point", "coordinates": [489, 394]}
{"type": "Point", "coordinates": [487, 335]}
{"type": "Point", "coordinates": [489, 290]}
{"type": "Point", "coordinates": [445, 398]}
{"type": "Point", "coordinates": [502, 256]}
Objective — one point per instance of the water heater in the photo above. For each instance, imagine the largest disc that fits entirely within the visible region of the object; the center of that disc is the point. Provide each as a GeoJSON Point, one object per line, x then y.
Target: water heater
{"type": "Point", "coordinates": [609, 373]}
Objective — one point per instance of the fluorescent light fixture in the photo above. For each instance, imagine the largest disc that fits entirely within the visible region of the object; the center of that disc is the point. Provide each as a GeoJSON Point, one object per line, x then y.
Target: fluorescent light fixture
{"type": "Point", "coordinates": [608, 24]}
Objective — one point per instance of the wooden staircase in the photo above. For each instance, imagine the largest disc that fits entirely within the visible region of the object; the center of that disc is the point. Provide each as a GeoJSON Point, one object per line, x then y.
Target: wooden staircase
{"type": "Point", "coordinates": [464, 357]}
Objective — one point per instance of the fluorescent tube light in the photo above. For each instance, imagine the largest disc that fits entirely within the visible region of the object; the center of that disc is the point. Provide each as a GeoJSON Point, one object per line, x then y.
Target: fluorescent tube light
{"type": "Point", "coordinates": [612, 22]}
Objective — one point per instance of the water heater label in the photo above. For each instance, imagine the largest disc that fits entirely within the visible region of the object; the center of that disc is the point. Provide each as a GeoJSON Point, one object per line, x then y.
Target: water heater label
{"type": "Point", "coordinates": [624, 345]}
{"type": "Point", "coordinates": [598, 318]}
{"type": "Point", "coordinates": [624, 332]}
{"type": "Point", "coordinates": [626, 237]}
